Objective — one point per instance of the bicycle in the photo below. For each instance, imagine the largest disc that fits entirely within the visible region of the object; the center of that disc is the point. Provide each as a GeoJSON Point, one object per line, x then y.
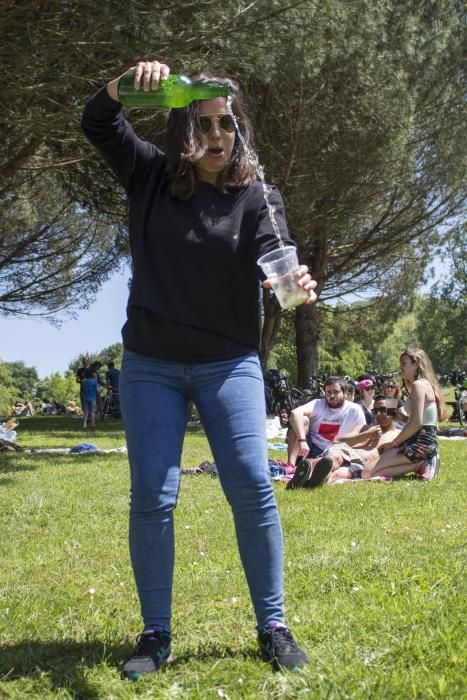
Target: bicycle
{"type": "Point", "coordinates": [278, 395]}
{"type": "Point", "coordinates": [110, 405]}
{"type": "Point", "coordinates": [460, 406]}
{"type": "Point", "coordinates": [316, 384]}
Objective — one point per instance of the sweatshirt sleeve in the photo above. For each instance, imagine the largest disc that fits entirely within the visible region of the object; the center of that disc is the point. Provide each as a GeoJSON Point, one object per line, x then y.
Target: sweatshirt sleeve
{"type": "Point", "coordinates": [107, 128]}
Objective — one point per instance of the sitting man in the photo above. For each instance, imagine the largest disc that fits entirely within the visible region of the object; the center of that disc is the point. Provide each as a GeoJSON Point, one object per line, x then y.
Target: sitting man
{"type": "Point", "coordinates": [346, 457]}
{"type": "Point", "coordinates": [323, 421]}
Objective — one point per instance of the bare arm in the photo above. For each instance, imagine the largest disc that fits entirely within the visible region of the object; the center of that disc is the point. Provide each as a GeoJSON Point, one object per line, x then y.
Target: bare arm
{"type": "Point", "coordinates": [299, 422]}
{"type": "Point", "coordinates": [417, 404]}
{"type": "Point", "coordinates": [363, 435]}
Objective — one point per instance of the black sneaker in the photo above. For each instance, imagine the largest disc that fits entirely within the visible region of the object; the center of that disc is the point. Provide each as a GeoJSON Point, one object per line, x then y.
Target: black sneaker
{"type": "Point", "coordinates": [280, 649]}
{"type": "Point", "coordinates": [302, 474]}
{"type": "Point", "coordinates": [151, 651]}
{"type": "Point", "coordinates": [320, 473]}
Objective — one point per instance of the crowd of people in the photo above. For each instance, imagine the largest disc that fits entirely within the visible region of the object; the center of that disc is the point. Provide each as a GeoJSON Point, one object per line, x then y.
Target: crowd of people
{"type": "Point", "coordinates": [377, 437]}
{"type": "Point", "coordinates": [91, 389]}
{"type": "Point", "coordinates": [91, 384]}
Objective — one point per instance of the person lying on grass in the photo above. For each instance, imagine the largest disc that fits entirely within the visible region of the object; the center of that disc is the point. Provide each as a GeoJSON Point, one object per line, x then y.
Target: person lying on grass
{"type": "Point", "coordinates": [342, 461]}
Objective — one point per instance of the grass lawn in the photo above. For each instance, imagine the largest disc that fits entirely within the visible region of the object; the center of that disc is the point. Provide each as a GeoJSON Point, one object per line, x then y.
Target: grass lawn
{"type": "Point", "coordinates": [374, 581]}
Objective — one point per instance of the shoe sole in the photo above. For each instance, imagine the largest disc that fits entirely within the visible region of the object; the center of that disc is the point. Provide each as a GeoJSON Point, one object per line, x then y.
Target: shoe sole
{"type": "Point", "coordinates": [432, 471]}
{"type": "Point", "coordinates": [302, 474]}
{"type": "Point", "coordinates": [322, 469]}
{"type": "Point", "coordinates": [277, 667]}
{"type": "Point", "coordinates": [134, 676]}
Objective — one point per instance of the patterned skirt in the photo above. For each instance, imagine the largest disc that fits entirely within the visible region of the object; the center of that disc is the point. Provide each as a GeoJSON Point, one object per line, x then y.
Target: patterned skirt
{"type": "Point", "coordinates": [422, 445]}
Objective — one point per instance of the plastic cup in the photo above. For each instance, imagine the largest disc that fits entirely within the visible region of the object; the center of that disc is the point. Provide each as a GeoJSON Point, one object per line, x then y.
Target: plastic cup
{"type": "Point", "coordinates": [281, 267]}
{"type": "Point", "coordinates": [391, 406]}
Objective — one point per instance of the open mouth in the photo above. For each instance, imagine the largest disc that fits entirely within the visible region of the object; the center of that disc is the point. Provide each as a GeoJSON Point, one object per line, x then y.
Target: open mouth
{"type": "Point", "coordinates": [215, 152]}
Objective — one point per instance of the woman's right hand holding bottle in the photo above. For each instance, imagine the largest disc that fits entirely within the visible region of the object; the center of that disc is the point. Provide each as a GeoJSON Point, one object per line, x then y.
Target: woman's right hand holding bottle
{"type": "Point", "coordinates": [147, 76]}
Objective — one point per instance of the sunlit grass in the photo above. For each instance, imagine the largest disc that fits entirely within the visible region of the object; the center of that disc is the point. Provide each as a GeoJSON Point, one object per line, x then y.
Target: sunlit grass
{"type": "Point", "coordinates": [374, 581]}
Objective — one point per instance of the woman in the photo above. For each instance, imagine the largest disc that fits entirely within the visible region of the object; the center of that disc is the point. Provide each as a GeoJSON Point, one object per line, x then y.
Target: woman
{"type": "Point", "coordinates": [417, 442]}
{"type": "Point", "coordinates": [366, 389]}
{"type": "Point", "coordinates": [392, 390]}
{"type": "Point", "coordinates": [198, 223]}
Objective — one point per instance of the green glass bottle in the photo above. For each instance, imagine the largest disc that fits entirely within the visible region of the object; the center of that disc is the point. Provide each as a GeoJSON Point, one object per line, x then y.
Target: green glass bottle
{"type": "Point", "coordinates": [176, 91]}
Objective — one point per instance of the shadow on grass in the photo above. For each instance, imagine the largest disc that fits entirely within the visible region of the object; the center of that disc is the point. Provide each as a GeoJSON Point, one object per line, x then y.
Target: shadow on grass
{"type": "Point", "coordinates": [9, 465]}
{"type": "Point", "coordinates": [66, 663]}
{"type": "Point", "coordinates": [63, 425]}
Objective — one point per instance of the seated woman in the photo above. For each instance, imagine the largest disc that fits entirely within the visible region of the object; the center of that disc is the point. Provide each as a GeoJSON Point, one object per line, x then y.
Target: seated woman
{"type": "Point", "coordinates": [417, 442]}
{"type": "Point", "coordinates": [392, 390]}
{"type": "Point", "coordinates": [366, 389]}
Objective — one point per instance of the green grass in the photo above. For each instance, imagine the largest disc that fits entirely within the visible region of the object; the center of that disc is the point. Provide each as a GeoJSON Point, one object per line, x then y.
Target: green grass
{"type": "Point", "coordinates": [373, 572]}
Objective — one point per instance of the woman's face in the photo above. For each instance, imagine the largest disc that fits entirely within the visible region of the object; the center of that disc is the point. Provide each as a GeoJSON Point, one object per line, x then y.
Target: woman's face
{"type": "Point", "coordinates": [368, 394]}
{"type": "Point", "coordinates": [408, 368]}
{"type": "Point", "coordinates": [390, 390]}
{"type": "Point", "coordinates": [218, 141]}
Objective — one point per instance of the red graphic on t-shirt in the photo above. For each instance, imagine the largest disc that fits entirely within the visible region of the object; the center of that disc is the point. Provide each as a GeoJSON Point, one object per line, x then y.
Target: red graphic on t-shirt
{"type": "Point", "coordinates": [328, 430]}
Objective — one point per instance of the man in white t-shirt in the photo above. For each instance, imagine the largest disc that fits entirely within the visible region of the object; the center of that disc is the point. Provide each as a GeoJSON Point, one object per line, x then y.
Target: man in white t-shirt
{"type": "Point", "coordinates": [340, 461]}
{"type": "Point", "coordinates": [319, 423]}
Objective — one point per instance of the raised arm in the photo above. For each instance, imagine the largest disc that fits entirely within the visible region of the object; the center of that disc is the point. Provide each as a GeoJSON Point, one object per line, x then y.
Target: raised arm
{"type": "Point", "coordinates": [107, 128]}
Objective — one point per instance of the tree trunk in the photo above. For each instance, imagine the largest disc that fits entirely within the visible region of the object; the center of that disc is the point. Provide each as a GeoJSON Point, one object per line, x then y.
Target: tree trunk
{"type": "Point", "coordinates": [307, 334]}
{"type": "Point", "coordinates": [271, 325]}
{"type": "Point", "coordinates": [306, 316]}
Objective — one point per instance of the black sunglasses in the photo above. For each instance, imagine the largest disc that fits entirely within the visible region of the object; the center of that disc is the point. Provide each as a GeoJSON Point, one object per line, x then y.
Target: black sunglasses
{"type": "Point", "coordinates": [226, 123]}
{"type": "Point", "coordinates": [391, 386]}
{"type": "Point", "coordinates": [383, 409]}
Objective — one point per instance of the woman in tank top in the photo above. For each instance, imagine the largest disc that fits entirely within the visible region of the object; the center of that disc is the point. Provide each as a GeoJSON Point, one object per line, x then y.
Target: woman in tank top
{"type": "Point", "coordinates": [417, 442]}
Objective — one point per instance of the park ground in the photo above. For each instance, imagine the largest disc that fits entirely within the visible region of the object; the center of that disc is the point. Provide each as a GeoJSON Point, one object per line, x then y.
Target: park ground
{"type": "Point", "coordinates": [374, 581]}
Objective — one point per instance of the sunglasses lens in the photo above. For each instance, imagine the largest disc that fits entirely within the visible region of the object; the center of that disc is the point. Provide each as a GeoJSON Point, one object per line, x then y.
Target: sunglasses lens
{"type": "Point", "coordinates": [226, 123]}
{"type": "Point", "coordinates": [205, 124]}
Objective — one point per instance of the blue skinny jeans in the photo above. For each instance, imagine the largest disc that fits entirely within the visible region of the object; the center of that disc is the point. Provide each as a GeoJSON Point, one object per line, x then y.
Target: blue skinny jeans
{"type": "Point", "coordinates": [229, 396]}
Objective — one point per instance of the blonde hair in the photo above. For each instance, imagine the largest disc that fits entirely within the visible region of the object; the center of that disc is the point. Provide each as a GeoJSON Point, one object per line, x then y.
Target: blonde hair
{"type": "Point", "coordinates": [425, 371]}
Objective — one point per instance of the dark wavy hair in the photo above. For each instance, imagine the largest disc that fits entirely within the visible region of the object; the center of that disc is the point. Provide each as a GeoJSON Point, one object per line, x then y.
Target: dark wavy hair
{"type": "Point", "coordinates": [184, 145]}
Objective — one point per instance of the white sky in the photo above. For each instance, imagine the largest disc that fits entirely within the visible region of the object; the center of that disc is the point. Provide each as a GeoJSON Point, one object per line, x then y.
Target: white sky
{"type": "Point", "coordinates": [50, 349]}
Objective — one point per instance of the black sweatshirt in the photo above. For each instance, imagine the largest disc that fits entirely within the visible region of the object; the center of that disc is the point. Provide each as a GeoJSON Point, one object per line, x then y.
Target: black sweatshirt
{"type": "Point", "coordinates": [195, 293]}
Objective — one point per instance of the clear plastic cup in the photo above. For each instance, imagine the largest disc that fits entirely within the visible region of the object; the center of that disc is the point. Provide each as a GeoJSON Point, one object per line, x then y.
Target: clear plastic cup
{"type": "Point", "coordinates": [281, 267]}
{"type": "Point", "coordinates": [391, 406]}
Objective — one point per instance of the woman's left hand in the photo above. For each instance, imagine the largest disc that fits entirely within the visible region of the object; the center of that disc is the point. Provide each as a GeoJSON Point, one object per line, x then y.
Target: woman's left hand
{"type": "Point", "coordinates": [308, 284]}
{"type": "Point", "coordinates": [303, 280]}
